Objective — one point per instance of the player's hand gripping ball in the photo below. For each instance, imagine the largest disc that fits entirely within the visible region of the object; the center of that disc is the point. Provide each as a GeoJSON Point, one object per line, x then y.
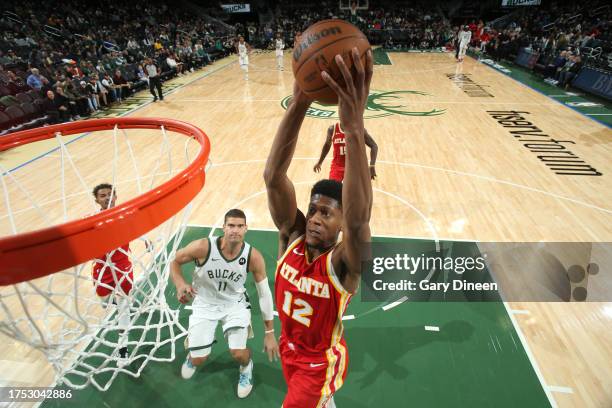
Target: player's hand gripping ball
{"type": "Point", "coordinates": [316, 52]}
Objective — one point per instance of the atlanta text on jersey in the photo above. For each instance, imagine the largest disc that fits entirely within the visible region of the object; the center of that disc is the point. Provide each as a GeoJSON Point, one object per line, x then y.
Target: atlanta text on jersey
{"type": "Point", "coordinates": [304, 284]}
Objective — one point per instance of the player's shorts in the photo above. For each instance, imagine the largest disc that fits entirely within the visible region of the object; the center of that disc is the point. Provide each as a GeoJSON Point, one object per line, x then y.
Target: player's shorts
{"type": "Point", "coordinates": [311, 382]}
{"type": "Point", "coordinates": [279, 53]}
{"type": "Point", "coordinates": [243, 60]}
{"type": "Point", "coordinates": [106, 282]}
{"type": "Point", "coordinates": [336, 173]}
{"type": "Point", "coordinates": [235, 321]}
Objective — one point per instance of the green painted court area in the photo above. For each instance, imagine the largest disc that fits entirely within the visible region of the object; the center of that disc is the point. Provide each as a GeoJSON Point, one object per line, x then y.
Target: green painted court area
{"type": "Point", "coordinates": [476, 359]}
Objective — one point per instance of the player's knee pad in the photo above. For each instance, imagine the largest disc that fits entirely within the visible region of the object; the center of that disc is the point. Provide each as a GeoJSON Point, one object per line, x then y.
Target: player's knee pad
{"type": "Point", "coordinates": [237, 337]}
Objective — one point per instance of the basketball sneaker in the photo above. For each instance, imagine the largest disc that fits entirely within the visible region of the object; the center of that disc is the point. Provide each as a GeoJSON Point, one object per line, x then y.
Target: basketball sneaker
{"type": "Point", "coordinates": [188, 369]}
{"type": "Point", "coordinates": [245, 382]}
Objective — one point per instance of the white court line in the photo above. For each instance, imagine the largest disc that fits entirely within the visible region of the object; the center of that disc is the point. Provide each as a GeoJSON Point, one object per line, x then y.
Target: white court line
{"type": "Point", "coordinates": [599, 114]}
{"type": "Point", "coordinates": [556, 388]}
{"type": "Point", "coordinates": [488, 178]}
{"type": "Point", "coordinates": [226, 100]}
{"type": "Point", "coordinates": [420, 102]}
{"type": "Point", "coordinates": [394, 304]}
{"type": "Point", "coordinates": [532, 360]}
{"type": "Point", "coordinates": [373, 234]}
{"type": "Point", "coordinates": [432, 328]}
{"type": "Point", "coordinates": [516, 311]}
{"type": "Point", "coordinates": [430, 225]}
{"type": "Point", "coordinates": [457, 172]}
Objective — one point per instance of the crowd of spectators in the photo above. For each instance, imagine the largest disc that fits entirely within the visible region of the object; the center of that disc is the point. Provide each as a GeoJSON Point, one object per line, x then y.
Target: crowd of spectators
{"type": "Point", "coordinates": [562, 38]}
{"type": "Point", "coordinates": [60, 61]}
{"type": "Point", "coordinates": [395, 27]}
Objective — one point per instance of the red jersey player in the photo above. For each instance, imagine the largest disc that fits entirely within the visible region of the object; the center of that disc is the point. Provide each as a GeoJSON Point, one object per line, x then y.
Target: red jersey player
{"type": "Point", "coordinates": [114, 267]}
{"type": "Point", "coordinates": [111, 270]}
{"type": "Point", "coordinates": [317, 275]}
{"type": "Point", "coordinates": [335, 137]}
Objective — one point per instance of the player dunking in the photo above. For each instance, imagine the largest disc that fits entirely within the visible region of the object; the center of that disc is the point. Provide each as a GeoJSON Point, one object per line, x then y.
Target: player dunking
{"type": "Point", "coordinates": [279, 44]}
{"type": "Point", "coordinates": [317, 275]}
{"type": "Point", "coordinates": [222, 264]}
{"type": "Point", "coordinates": [243, 49]}
{"type": "Point", "coordinates": [335, 137]}
{"type": "Point", "coordinates": [112, 273]}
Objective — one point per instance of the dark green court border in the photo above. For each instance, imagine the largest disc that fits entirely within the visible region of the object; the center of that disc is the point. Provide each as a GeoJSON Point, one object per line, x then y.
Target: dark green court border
{"type": "Point", "coordinates": [476, 359]}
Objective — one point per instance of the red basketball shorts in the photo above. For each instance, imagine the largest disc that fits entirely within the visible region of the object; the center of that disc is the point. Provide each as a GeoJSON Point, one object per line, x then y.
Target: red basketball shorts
{"type": "Point", "coordinates": [108, 281]}
{"type": "Point", "coordinates": [336, 173]}
{"type": "Point", "coordinates": [311, 382]}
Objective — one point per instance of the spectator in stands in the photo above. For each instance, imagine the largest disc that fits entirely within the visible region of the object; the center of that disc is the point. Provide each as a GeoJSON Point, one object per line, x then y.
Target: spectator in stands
{"type": "Point", "coordinates": [99, 92]}
{"type": "Point", "coordinates": [73, 94]}
{"type": "Point", "coordinates": [63, 100]}
{"type": "Point", "coordinates": [552, 69]}
{"type": "Point", "coordinates": [37, 81]}
{"type": "Point", "coordinates": [173, 65]}
{"type": "Point", "coordinates": [569, 71]}
{"type": "Point", "coordinates": [485, 37]}
{"type": "Point", "coordinates": [121, 85]}
{"type": "Point", "coordinates": [57, 110]}
{"type": "Point", "coordinates": [141, 75]}
{"type": "Point", "coordinates": [109, 84]}
{"type": "Point", "coordinates": [87, 90]}
{"type": "Point", "coordinates": [16, 84]}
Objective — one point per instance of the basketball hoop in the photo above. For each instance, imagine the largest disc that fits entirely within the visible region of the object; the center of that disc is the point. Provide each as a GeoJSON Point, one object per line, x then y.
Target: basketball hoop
{"type": "Point", "coordinates": [47, 289]}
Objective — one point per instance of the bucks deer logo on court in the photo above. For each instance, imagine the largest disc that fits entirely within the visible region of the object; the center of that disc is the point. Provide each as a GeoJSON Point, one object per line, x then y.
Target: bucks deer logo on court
{"type": "Point", "coordinates": [380, 104]}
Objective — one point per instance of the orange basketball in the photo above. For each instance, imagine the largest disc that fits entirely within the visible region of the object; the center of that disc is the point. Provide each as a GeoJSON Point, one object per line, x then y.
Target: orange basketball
{"type": "Point", "coordinates": [316, 52]}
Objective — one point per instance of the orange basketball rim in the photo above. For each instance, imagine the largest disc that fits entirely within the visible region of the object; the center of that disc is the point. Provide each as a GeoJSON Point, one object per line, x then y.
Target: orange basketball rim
{"type": "Point", "coordinates": [38, 253]}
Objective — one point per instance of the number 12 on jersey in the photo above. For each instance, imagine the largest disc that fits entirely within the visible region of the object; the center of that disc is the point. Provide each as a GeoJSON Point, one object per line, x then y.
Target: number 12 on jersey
{"type": "Point", "coordinates": [301, 309]}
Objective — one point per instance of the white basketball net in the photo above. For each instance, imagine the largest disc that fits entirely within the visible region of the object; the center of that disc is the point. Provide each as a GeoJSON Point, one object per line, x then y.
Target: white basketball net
{"type": "Point", "coordinates": [80, 333]}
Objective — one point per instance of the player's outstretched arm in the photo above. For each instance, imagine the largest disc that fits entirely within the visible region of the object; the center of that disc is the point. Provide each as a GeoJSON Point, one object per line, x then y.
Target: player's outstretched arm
{"type": "Point", "coordinates": [325, 150]}
{"type": "Point", "coordinates": [194, 250]}
{"type": "Point", "coordinates": [257, 266]}
{"type": "Point", "coordinates": [369, 141]}
{"type": "Point", "coordinates": [281, 191]}
{"type": "Point", "coordinates": [357, 186]}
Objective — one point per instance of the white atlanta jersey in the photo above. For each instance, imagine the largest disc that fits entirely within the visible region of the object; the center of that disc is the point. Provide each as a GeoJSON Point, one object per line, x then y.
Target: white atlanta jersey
{"type": "Point", "coordinates": [220, 281]}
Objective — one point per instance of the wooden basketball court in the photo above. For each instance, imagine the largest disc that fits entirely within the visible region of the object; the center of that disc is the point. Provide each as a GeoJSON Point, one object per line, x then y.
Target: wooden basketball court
{"type": "Point", "coordinates": [449, 167]}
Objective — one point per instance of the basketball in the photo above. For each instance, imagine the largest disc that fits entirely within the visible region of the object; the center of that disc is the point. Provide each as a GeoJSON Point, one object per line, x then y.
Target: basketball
{"type": "Point", "coordinates": [316, 51]}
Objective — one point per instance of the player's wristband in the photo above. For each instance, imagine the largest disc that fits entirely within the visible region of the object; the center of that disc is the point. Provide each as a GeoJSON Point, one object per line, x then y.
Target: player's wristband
{"type": "Point", "coordinates": [269, 331]}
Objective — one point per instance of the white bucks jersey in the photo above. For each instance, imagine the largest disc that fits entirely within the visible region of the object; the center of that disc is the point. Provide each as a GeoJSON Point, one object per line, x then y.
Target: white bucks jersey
{"type": "Point", "coordinates": [221, 281]}
{"type": "Point", "coordinates": [242, 49]}
{"type": "Point", "coordinates": [280, 44]}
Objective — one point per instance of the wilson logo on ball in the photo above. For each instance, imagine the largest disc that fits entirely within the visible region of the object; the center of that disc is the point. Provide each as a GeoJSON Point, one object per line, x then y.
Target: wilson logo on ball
{"type": "Point", "coordinates": [312, 38]}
